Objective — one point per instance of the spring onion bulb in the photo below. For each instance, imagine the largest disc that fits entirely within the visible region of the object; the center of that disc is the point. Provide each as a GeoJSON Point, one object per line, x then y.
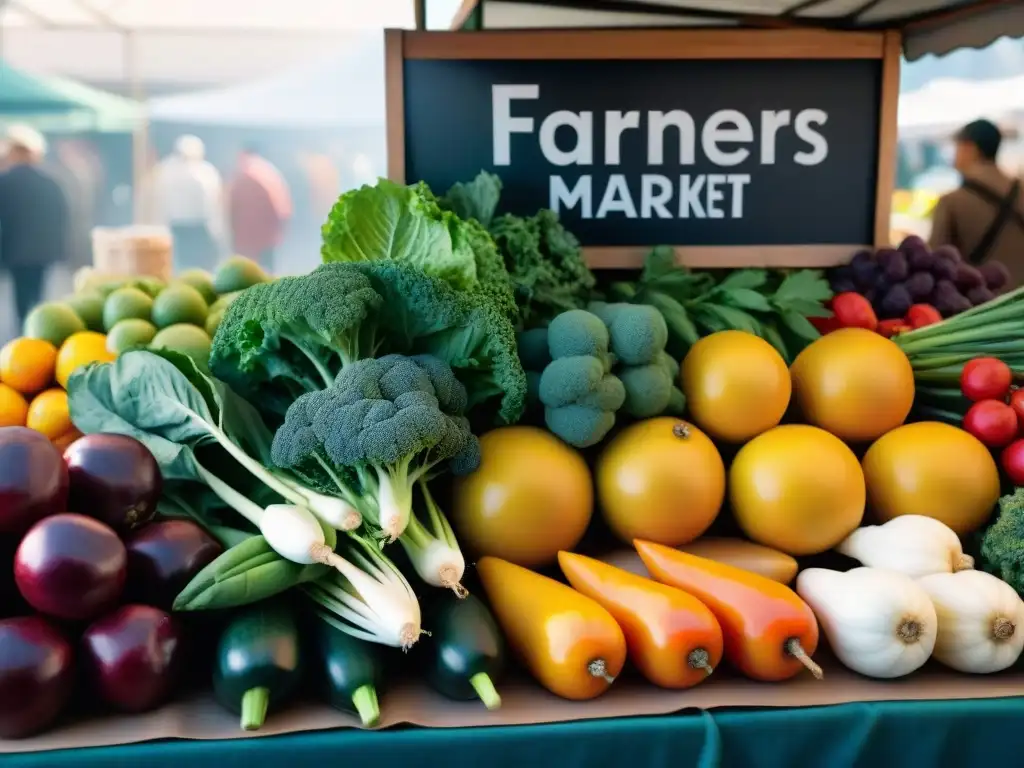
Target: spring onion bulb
{"type": "Point", "coordinates": [432, 548]}
{"type": "Point", "coordinates": [394, 504]}
{"type": "Point", "coordinates": [371, 597]}
{"type": "Point", "coordinates": [336, 511]}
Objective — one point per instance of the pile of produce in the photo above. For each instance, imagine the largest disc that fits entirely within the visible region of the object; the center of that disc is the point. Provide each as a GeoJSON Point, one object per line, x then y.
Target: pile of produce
{"type": "Point", "coordinates": [894, 279]}
{"type": "Point", "coordinates": [102, 319]}
{"type": "Point", "coordinates": [376, 468]}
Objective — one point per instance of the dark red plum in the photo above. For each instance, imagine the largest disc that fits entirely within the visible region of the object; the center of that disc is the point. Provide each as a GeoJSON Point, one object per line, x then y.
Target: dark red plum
{"type": "Point", "coordinates": [37, 676]}
{"type": "Point", "coordinates": [71, 567]}
{"type": "Point", "coordinates": [163, 557]}
{"type": "Point", "coordinates": [115, 479]}
{"type": "Point", "coordinates": [132, 657]}
{"type": "Point", "coordinates": [33, 479]}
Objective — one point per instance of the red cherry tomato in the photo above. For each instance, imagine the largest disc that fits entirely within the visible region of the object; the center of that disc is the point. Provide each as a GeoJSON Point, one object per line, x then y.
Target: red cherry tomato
{"type": "Point", "coordinates": [892, 327]}
{"type": "Point", "coordinates": [1012, 462]}
{"type": "Point", "coordinates": [825, 325]}
{"type": "Point", "coordinates": [992, 422]}
{"type": "Point", "coordinates": [854, 311]}
{"type": "Point", "coordinates": [1017, 403]}
{"type": "Point", "coordinates": [986, 378]}
{"type": "Point", "coordinates": [920, 315]}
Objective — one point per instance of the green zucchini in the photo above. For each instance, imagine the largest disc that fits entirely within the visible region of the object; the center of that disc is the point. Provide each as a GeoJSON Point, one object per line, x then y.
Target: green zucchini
{"type": "Point", "coordinates": [465, 653]}
{"type": "Point", "coordinates": [258, 661]}
{"type": "Point", "coordinates": [351, 670]}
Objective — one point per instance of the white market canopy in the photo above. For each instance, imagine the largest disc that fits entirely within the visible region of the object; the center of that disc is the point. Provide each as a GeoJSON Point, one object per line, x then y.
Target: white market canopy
{"type": "Point", "coordinates": [946, 104]}
{"type": "Point", "coordinates": [929, 26]}
{"type": "Point", "coordinates": [190, 41]}
{"type": "Point", "coordinates": [342, 89]}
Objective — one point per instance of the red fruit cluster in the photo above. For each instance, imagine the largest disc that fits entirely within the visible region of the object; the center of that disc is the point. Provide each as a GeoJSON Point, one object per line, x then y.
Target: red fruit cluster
{"type": "Point", "coordinates": [997, 416]}
{"type": "Point", "coordinates": [852, 310]}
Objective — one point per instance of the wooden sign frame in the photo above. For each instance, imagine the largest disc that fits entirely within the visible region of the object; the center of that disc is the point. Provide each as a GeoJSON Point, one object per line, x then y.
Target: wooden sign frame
{"type": "Point", "coordinates": [401, 45]}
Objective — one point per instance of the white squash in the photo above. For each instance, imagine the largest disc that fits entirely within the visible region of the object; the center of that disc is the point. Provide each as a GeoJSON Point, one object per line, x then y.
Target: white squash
{"type": "Point", "coordinates": [981, 621]}
{"type": "Point", "coordinates": [911, 544]}
{"type": "Point", "coordinates": [879, 623]}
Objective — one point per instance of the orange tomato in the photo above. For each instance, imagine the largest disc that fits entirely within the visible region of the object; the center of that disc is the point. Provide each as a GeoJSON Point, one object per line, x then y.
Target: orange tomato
{"type": "Point", "coordinates": [531, 496]}
{"type": "Point", "coordinates": [672, 637]}
{"type": "Point", "coordinates": [662, 480]}
{"type": "Point", "coordinates": [770, 633]}
{"type": "Point", "coordinates": [568, 642]}
{"type": "Point", "coordinates": [48, 413]}
{"type": "Point", "coordinates": [13, 408]}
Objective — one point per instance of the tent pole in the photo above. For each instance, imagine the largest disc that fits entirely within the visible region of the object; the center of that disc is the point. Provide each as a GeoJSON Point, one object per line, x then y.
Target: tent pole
{"type": "Point", "coordinates": [140, 136]}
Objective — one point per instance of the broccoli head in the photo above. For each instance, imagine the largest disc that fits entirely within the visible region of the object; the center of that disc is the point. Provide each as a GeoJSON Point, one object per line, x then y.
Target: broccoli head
{"type": "Point", "coordinates": [1002, 548]}
{"type": "Point", "coordinates": [578, 332]}
{"type": "Point", "coordinates": [638, 333]}
{"type": "Point", "coordinates": [580, 399]}
{"type": "Point", "coordinates": [648, 389]}
{"type": "Point", "coordinates": [280, 340]}
{"type": "Point", "coordinates": [382, 420]}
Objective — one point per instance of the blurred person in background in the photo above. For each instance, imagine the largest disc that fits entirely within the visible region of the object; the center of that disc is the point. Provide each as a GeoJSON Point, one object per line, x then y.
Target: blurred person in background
{"type": "Point", "coordinates": [35, 218]}
{"type": "Point", "coordinates": [259, 207]}
{"type": "Point", "coordinates": [75, 169]}
{"type": "Point", "coordinates": [984, 218]}
{"type": "Point", "coordinates": [188, 196]}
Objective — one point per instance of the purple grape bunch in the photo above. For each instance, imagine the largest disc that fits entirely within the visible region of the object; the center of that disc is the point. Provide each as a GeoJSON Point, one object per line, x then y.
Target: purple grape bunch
{"type": "Point", "coordinates": [893, 279]}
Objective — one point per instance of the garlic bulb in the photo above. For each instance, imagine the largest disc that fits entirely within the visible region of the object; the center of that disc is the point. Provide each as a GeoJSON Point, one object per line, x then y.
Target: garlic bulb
{"type": "Point", "coordinates": [879, 623]}
{"type": "Point", "coordinates": [911, 544]}
{"type": "Point", "coordinates": [981, 621]}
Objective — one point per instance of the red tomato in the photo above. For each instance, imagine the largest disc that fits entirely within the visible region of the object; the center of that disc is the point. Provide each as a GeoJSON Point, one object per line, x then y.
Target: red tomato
{"type": "Point", "coordinates": [890, 328]}
{"type": "Point", "coordinates": [992, 422]}
{"type": "Point", "coordinates": [1017, 403]}
{"type": "Point", "coordinates": [920, 315]}
{"type": "Point", "coordinates": [854, 311]}
{"type": "Point", "coordinates": [825, 325]}
{"type": "Point", "coordinates": [986, 378]}
{"type": "Point", "coordinates": [1012, 461]}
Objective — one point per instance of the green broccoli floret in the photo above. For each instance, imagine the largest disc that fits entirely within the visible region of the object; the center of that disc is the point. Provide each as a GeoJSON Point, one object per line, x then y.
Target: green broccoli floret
{"type": "Point", "coordinates": [638, 333]}
{"type": "Point", "coordinates": [648, 389]}
{"type": "Point", "coordinates": [383, 421]}
{"type": "Point", "coordinates": [1002, 547]}
{"type": "Point", "coordinates": [676, 403]}
{"type": "Point", "coordinates": [533, 348]}
{"type": "Point", "coordinates": [580, 399]}
{"type": "Point", "coordinates": [670, 364]}
{"type": "Point", "coordinates": [280, 340]}
{"type": "Point", "coordinates": [578, 332]}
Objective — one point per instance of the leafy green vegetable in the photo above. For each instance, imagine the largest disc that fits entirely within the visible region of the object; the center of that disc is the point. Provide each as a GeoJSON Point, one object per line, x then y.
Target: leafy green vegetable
{"type": "Point", "coordinates": [543, 259]}
{"type": "Point", "coordinates": [401, 223]}
{"type": "Point", "coordinates": [772, 305]}
{"type": "Point", "coordinates": [247, 572]}
{"type": "Point", "coordinates": [281, 340]}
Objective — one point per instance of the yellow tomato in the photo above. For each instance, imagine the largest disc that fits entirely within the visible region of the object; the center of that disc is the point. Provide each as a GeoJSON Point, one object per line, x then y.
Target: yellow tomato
{"type": "Point", "coordinates": [736, 385]}
{"type": "Point", "coordinates": [797, 489]}
{"type": "Point", "coordinates": [853, 383]}
{"type": "Point", "coordinates": [48, 413]}
{"type": "Point", "coordinates": [27, 364]}
{"type": "Point", "coordinates": [13, 408]}
{"type": "Point", "coordinates": [531, 497]}
{"type": "Point", "coordinates": [661, 480]}
{"type": "Point", "coordinates": [81, 349]}
{"type": "Point", "coordinates": [932, 469]}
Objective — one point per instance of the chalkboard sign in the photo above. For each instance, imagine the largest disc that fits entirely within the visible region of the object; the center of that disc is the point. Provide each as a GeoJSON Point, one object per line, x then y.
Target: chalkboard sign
{"type": "Point", "coordinates": [736, 158]}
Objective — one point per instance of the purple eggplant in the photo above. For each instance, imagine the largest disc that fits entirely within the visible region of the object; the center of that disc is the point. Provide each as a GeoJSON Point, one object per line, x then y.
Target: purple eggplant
{"type": "Point", "coordinates": [132, 657]}
{"type": "Point", "coordinates": [115, 479]}
{"type": "Point", "coordinates": [163, 557]}
{"type": "Point", "coordinates": [33, 479]}
{"type": "Point", "coordinates": [36, 676]}
{"type": "Point", "coordinates": [71, 567]}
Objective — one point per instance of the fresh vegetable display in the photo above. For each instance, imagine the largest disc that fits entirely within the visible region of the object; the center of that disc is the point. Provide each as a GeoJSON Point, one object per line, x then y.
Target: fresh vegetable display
{"type": "Point", "coordinates": [452, 458]}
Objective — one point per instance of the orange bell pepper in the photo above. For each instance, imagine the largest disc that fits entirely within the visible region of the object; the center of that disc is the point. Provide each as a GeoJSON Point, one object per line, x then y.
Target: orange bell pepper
{"type": "Point", "coordinates": [569, 643]}
{"type": "Point", "coordinates": [770, 633]}
{"type": "Point", "coordinates": [672, 637]}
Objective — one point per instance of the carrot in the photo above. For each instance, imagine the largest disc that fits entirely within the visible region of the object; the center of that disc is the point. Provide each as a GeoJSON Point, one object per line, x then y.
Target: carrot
{"type": "Point", "coordinates": [770, 633]}
{"type": "Point", "coordinates": [568, 642]}
{"type": "Point", "coordinates": [672, 637]}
